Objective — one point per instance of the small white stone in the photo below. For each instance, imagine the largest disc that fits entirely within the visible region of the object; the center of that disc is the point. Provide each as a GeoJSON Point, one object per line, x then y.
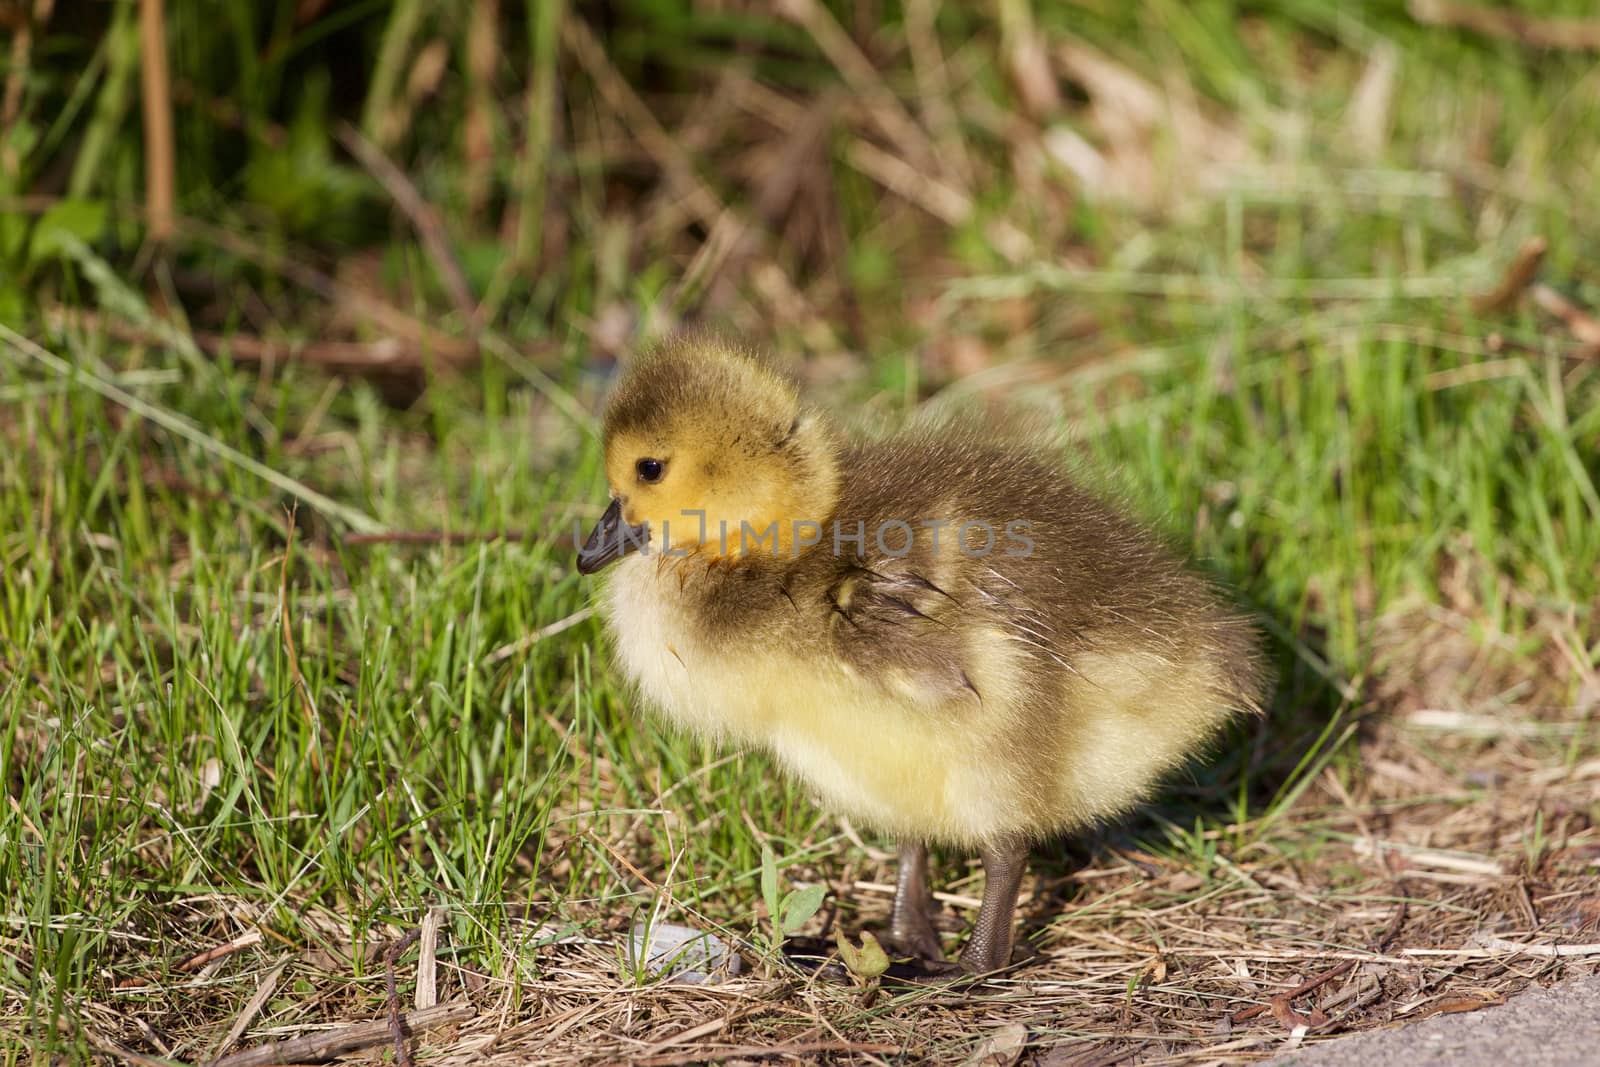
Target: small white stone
{"type": "Point", "coordinates": [682, 953]}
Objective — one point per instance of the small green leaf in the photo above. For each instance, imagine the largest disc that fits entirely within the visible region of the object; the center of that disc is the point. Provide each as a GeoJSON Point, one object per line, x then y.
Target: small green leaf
{"type": "Point", "coordinates": [769, 881]}
{"type": "Point", "coordinates": [801, 905]}
{"type": "Point", "coordinates": [868, 961]}
{"type": "Point", "coordinates": [65, 221]}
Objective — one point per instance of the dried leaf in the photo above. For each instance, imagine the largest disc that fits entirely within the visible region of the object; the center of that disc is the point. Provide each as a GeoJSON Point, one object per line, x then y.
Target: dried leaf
{"type": "Point", "coordinates": [1287, 1017]}
{"type": "Point", "coordinates": [867, 961]}
{"type": "Point", "coordinates": [1154, 972]}
{"type": "Point", "coordinates": [1001, 1048]}
{"type": "Point", "coordinates": [1472, 1001]}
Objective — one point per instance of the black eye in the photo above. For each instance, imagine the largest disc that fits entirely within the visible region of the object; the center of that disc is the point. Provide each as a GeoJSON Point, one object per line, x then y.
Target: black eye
{"type": "Point", "coordinates": [650, 470]}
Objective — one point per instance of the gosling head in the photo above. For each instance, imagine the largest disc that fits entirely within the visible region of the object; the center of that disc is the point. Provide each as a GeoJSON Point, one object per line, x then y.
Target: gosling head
{"type": "Point", "coordinates": [709, 452]}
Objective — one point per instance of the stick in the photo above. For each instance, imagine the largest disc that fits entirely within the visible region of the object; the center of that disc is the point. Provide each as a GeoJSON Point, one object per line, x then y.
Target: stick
{"type": "Point", "coordinates": [21, 56]}
{"type": "Point", "coordinates": [1582, 325]}
{"type": "Point", "coordinates": [1385, 939]}
{"type": "Point", "coordinates": [336, 1042]}
{"type": "Point", "coordinates": [437, 537]}
{"type": "Point", "coordinates": [675, 163]}
{"type": "Point", "coordinates": [1521, 271]}
{"type": "Point", "coordinates": [1300, 990]}
{"type": "Point", "coordinates": [545, 30]}
{"type": "Point", "coordinates": [216, 952]}
{"type": "Point", "coordinates": [397, 1030]}
{"type": "Point", "coordinates": [522, 644]}
{"type": "Point", "coordinates": [160, 179]}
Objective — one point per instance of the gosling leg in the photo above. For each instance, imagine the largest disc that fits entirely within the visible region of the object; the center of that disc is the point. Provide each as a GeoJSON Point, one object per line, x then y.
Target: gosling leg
{"type": "Point", "coordinates": [989, 948]}
{"type": "Point", "coordinates": [910, 926]}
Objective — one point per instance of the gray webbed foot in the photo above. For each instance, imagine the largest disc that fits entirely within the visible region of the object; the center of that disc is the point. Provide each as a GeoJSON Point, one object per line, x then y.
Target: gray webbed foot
{"type": "Point", "coordinates": [911, 931]}
{"type": "Point", "coordinates": [989, 947]}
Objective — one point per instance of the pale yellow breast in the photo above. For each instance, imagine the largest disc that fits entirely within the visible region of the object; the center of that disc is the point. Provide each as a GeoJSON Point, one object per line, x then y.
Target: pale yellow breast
{"type": "Point", "coordinates": [1134, 715]}
{"type": "Point", "coordinates": [878, 750]}
{"type": "Point", "coordinates": [873, 749]}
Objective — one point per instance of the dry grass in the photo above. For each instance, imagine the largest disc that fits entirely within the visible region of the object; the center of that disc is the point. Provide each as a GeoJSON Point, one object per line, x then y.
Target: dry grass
{"type": "Point", "coordinates": [1422, 896]}
{"type": "Point", "coordinates": [1456, 864]}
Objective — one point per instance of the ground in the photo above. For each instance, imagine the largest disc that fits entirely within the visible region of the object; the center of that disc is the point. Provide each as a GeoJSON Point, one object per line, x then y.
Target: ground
{"type": "Point", "coordinates": [294, 660]}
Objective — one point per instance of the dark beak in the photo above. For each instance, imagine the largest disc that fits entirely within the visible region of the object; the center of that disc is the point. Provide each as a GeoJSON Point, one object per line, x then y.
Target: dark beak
{"type": "Point", "coordinates": [610, 540]}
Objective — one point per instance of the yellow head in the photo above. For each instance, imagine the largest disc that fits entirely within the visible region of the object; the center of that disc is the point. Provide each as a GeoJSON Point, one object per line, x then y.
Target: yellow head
{"type": "Point", "coordinates": [709, 449]}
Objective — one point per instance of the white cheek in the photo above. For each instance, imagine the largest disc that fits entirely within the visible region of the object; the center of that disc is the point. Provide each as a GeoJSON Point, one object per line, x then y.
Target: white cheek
{"type": "Point", "coordinates": [643, 627]}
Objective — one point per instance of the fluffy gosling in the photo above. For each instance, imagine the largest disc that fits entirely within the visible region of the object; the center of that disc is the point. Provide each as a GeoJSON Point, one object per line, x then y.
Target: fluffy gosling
{"type": "Point", "coordinates": [940, 633]}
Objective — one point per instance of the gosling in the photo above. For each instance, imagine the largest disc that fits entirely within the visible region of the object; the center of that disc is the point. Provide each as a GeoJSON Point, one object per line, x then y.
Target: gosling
{"type": "Point", "coordinates": [939, 632]}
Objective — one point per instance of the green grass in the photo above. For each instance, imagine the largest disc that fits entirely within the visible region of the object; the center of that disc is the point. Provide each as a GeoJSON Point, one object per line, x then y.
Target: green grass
{"type": "Point", "coordinates": [211, 724]}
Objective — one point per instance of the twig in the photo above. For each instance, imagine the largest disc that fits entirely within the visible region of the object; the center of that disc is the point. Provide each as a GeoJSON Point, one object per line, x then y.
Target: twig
{"type": "Point", "coordinates": [116, 1051]}
{"type": "Point", "coordinates": [1367, 118]}
{"type": "Point", "coordinates": [1054, 277]}
{"type": "Point", "coordinates": [620, 858]}
{"type": "Point", "coordinates": [1358, 991]}
{"type": "Point", "coordinates": [448, 536]}
{"type": "Point", "coordinates": [437, 536]}
{"type": "Point", "coordinates": [427, 222]}
{"type": "Point", "coordinates": [955, 899]}
{"type": "Point", "coordinates": [228, 114]}
{"type": "Point", "coordinates": [943, 202]}
{"type": "Point", "coordinates": [397, 1031]}
{"type": "Point", "coordinates": [675, 163]}
{"type": "Point", "coordinates": [1582, 325]}
{"type": "Point", "coordinates": [331, 1043]}
{"type": "Point", "coordinates": [524, 643]}
{"type": "Point", "coordinates": [730, 244]}
{"type": "Point", "coordinates": [1521, 271]}
{"type": "Point", "coordinates": [385, 316]}
{"type": "Point", "coordinates": [1385, 939]}
{"type": "Point", "coordinates": [216, 952]}
{"type": "Point", "coordinates": [693, 1033]}
{"type": "Point", "coordinates": [1396, 921]}
{"type": "Point", "coordinates": [1300, 990]}
{"type": "Point", "coordinates": [1436, 858]}
{"type": "Point", "coordinates": [1568, 34]}
{"type": "Point", "coordinates": [1497, 946]}
{"type": "Point", "coordinates": [159, 159]}
{"type": "Point", "coordinates": [120, 46]}
{"type": "Point", "coordinates": [933, 87]}
{"type": "Point", "coordinates": [1027, 60]}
